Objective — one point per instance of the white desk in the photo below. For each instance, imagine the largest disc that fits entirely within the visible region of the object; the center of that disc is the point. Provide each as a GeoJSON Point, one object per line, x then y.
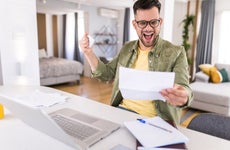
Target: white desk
{"type": "Point", "coordinates": [14, 134]}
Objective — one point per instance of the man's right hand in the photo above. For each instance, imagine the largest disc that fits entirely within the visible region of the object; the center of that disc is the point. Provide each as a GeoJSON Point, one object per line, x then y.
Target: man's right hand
{"type": "Point", "coordinates": [88, 52]}
{"type": "Point", "coordinates": [84, 44]}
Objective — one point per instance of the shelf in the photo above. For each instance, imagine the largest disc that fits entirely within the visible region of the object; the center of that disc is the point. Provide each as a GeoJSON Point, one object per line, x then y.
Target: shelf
{"type": "Point", "coordinates": [105, 43]}
{"type": "Point", "coordinates": [106, 40]}
{"type": "Point", "coordinates": [105, 34]}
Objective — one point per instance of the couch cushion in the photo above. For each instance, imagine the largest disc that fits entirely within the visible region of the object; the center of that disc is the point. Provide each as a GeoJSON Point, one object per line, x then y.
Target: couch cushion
{"type": "Point", "coordinates": [225, 66]}
{"type": "Point", "coordinates": [224, 75]}
{"type": "Point", "coordinates": [206, 68]}
{"type": "Point", "coordinates": [211, 93]}
{"type": "Point", "coordinates": [215, 75]}
{"type": "Point", "coordinates": [201, 77]}
{"type": "Point", "coordinates": [218, 76]}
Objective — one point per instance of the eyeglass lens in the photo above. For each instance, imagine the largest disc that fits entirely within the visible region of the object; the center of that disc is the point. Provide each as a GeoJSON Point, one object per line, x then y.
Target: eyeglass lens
{"type": "Point", "coordinates": [153, 23]}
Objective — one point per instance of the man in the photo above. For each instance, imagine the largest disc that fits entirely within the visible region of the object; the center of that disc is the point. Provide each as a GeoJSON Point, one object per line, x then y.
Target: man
{"type": "Point", "coordinates": [149, 52]}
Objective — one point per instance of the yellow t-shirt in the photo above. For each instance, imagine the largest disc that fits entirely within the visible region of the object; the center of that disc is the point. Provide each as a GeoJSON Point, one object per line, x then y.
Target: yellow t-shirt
{"type": "Point", "coordinates": [143, 107]}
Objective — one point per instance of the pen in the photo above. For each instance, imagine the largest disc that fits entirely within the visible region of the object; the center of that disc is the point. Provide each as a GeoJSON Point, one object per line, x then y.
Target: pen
{"type": "Point", "coordinates": [145, 122]}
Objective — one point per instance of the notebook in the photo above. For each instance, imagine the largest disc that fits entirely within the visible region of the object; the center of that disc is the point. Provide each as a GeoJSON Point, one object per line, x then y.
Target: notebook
{"type": "Point", "coordinates": [179, 146]}
{"type": "Point", "coordinates": [155, 132]}
{"type": "Point", "coordinates": [69, 126]}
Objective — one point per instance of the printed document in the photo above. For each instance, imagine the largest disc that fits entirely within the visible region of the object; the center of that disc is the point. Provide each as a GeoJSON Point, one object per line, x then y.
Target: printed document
{"type": "Point", "coordinates": [144, 85]}
{"type": "Point", "coordinates": [154, 132]}
{"type": "Point", "coordinates": [42, 99]}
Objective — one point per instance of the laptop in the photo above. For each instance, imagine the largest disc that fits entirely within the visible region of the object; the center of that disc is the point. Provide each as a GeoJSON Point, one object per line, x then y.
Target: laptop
{"type": "Point", "coordinates": [69, 126]}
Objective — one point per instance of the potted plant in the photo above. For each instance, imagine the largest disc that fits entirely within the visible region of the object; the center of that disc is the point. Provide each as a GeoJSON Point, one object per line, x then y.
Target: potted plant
{"type": "Point", "coordinates": [187, 22]}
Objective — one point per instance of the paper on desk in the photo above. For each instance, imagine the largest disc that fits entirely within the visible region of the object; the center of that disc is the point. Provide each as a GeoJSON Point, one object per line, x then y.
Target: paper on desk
{"type": "Point", "coordinates": [157, 148]}
{"type": "Point", "coordinates": [42, 99]}
{"type": "Point", "coordinates": [144, 85]}
{"type": "Point", "coordinates": [150, 136]}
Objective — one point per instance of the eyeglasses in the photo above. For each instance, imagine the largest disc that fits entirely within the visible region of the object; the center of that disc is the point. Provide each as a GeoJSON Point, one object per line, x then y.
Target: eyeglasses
{"type": "Point", "coordinates": [143, 23]}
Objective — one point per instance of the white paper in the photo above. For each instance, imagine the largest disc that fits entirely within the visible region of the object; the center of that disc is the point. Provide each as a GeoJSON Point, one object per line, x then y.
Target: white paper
{"type": "Point", "coordinates": [42, 99]}
{"type": "Point", "coordinates": [91, 41]}
{"type": "Point", "coordinates": [150, 136]}
{"type": "Point", "coordinates": [144, 85]}
{"type": "Point", "coordinates": [156, 148]}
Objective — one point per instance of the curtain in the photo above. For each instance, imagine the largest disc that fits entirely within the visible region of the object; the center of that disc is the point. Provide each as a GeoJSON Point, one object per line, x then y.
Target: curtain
{"type": "Point", "coordinates": [205, 37]}
{"type": "Point", "coordinates": [77, 55]}
{"type": "Point", "coordinates": [70, 37]}
{"type": "Point", "coordinates": [126, 25]}
{"type": "Point", "coordinates": [64, 36]}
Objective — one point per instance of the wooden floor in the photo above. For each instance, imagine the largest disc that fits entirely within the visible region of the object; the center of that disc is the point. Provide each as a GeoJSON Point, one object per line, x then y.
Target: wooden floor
{"type": "Point", "coordinates": [90, 88]}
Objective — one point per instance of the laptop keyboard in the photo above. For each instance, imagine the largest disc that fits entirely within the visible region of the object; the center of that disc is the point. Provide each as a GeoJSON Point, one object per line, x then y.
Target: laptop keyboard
{"type": "Point", "coordinates": [76, 129]}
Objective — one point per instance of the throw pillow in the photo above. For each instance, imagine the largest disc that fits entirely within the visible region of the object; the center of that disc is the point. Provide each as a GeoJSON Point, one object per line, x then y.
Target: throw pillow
{"type": "Point", "coordinates": [215, 75]}
{"type": "Point", "coordinates": [201, 77]}
{"type": "Point", "coordinates": [224, 75]}
{"type": "Point", "coordinates": [205, 68]}
{"type": "Point", "coordinates": [42, 53]}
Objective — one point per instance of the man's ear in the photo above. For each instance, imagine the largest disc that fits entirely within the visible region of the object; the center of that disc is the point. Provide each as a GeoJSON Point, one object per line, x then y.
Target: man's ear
{"type": "Point", "coordinates": [161, 21]}
{"type": "Point", "coordinates": [134, 24]}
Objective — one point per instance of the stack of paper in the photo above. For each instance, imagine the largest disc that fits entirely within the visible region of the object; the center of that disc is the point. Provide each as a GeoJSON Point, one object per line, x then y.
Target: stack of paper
{"type": "Point", "coordinates": [155, 132]}
{"type": "Point", "coordinates": [144, 85]}
{"type": "Point", "coordinates": [42, 99]}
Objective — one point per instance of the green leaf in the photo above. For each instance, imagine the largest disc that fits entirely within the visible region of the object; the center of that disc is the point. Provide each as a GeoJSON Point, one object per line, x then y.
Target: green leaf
{"type": "Point", "coordinates": [187, 22]}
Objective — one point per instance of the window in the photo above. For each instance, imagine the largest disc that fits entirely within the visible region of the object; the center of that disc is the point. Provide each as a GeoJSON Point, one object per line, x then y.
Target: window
{"type": "Point", "coordinates": [224, 49]}
{"type": "Point", "coordinates": [70, 37]}
{"type": "Point", "coordinates": [81, 25]}
{"type": "Point", "coordinates": [70, 32]}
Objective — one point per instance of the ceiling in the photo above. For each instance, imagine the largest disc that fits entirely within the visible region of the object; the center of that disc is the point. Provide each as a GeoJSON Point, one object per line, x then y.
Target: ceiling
{"type": "Point", "coordinates": [105, 3]}
{"type": "Point", "coordinates": [64, 6]}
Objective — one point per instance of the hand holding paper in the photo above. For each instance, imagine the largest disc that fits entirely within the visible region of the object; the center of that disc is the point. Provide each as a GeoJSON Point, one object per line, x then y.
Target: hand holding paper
{"type": "Point", "coordinates": [144, 85]}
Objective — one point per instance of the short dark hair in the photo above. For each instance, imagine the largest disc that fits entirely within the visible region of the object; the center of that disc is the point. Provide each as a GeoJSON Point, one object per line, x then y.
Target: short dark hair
{"type": "Point", "coordinates": [146, 4]}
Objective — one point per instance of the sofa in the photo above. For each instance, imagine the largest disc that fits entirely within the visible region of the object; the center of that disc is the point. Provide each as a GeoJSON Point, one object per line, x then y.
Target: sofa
{"type": "Point", "coordinates": [212, 89]}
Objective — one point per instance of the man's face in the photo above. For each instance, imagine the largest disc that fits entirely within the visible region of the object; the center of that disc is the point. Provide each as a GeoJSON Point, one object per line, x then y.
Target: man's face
{"type": "Point", "coordinates": [147, 24]}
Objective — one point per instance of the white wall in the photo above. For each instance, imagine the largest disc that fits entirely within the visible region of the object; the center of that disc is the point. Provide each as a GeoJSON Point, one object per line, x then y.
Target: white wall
{"type": "Point", "coordinates": [168, 16]}
{"type": "Point", "coordinates": [1, 79]}
{"type": "Point", "coordinates": [180, 10]}
{"type": "Point", "coordinates": [18, 42]}
{"type": "Point", "coordinates": [96, 23]}
{"type": "Point", "coordinates": [222, 5]}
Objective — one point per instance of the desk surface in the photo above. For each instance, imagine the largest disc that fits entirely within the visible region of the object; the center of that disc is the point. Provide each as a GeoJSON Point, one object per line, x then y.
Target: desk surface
{"type": "Point", "coordinates": [14, 134]}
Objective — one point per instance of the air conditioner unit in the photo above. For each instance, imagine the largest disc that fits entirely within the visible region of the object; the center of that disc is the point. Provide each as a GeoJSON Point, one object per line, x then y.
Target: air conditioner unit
{"type": "Point", "coordinates": [111, 13]}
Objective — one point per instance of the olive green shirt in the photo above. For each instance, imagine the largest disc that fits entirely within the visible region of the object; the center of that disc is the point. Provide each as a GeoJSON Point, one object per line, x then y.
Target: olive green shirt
{"type": "Point", "coordinates": [164, 57]}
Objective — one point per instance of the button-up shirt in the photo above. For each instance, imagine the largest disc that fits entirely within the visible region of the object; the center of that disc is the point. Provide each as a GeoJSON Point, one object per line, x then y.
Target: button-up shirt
{"type": "Point", "coordinates": [163, 57]}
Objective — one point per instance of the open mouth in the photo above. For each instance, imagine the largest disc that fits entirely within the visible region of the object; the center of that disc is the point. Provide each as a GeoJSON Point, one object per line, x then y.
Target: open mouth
{"type": "Point", "coordinates": [148, 36]}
